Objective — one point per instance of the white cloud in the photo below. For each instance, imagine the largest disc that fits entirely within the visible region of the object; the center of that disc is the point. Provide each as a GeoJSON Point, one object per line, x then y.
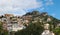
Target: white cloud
{"type": "Point", "coordinates": [8, 6]}
{"type": "Point", "coordinates": [22, 4]}
{"type": "Point", "coordinates": [15, 5]}
{"type": "Point", "coordinates": [49, 2]}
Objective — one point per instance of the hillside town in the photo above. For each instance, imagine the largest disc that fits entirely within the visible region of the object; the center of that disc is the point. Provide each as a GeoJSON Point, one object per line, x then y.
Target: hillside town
{"type": "Point", "coordinates": [17, 23]}
{"type": "Point", "coordinates": [13, 23]}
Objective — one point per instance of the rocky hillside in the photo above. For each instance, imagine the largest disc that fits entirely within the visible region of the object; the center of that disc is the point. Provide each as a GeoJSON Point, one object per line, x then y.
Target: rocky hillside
{"type": "Point", "coordinates": [43, 18]}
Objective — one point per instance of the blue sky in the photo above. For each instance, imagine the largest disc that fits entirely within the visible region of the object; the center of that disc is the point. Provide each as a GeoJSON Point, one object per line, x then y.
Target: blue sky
{"type": "Point", "coordinates": [21, 7]}
{"type": "Point", "coordinates": [54, 10]}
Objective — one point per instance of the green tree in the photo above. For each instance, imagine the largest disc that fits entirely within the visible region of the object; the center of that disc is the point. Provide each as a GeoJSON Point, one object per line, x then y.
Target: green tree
{"type": "Point", "coordinates": [32, 29]}
{"type": "Point", "coordinates": [57, 31]}
{"type": "Point", "coordinates": [1, 28]}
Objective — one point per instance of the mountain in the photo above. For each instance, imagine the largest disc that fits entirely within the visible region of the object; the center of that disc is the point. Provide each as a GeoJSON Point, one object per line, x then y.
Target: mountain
{"type": "Point", "coordinates": [43, 18]}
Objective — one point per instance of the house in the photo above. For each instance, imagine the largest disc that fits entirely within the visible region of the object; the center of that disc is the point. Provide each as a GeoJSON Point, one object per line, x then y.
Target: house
{"type": "Point", "coordinates": [47, 32]}
{"type": "Point", "coordinates": [49, 19]}
{"type": "Point", "coordinates": [12, 23]}
{"type": "Point", "coordinates": [46, 26]}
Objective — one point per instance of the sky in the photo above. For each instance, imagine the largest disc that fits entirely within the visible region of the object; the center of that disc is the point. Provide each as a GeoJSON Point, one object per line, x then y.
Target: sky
{"type": "Point", "coordinates": [21, 7]}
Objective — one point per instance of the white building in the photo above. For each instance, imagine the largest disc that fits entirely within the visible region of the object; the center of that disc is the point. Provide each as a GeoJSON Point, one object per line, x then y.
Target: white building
{"type": "Point", "coordinates": [46, 26]}
{"type": "Point", "coordinates": [47, 32]}
{"type": "Point", "coordinates": [15, 24]}
{"type": "Point", "coordinates": [12, 23]}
